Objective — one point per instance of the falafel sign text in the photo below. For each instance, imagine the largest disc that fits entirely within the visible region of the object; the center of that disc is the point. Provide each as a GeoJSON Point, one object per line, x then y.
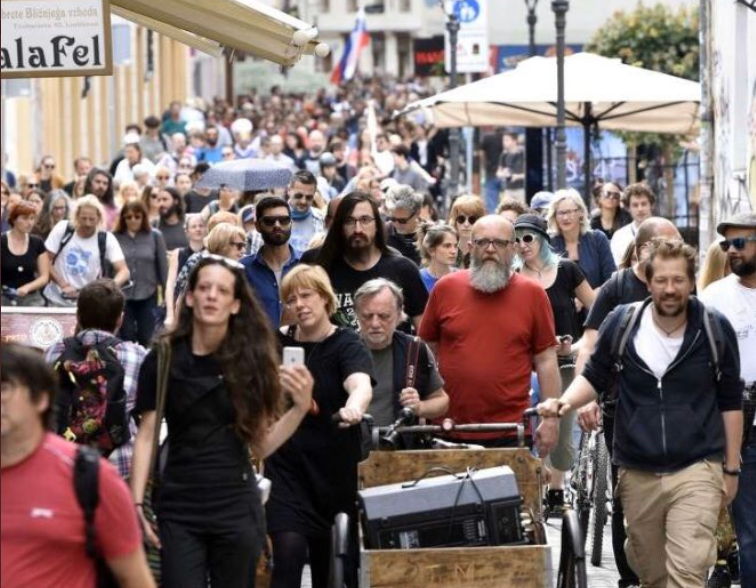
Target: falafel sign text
{"type": "Point", "coordinates": [55, 38]}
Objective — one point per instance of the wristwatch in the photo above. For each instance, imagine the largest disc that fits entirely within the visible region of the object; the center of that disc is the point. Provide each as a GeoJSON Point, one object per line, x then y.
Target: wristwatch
{"type": "Point", "coordinates": [733, 473]}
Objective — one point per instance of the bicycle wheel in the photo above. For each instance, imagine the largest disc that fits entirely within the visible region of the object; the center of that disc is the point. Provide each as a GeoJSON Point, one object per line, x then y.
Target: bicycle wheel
{"type": "Point", "coordinates": [572, 572]}
{"type": "Point", "coordinates": [579, 483]}
{"type": "Point", "coordinates": [600, 489]}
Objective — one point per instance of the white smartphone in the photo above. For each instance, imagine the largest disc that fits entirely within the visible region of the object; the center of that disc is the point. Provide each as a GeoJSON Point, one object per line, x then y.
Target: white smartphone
{"type": "Point", "coordinates": [293, 356]}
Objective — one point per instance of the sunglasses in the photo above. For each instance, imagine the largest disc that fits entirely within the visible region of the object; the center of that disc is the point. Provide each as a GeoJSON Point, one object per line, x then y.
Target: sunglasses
{"type": "Point", "coordinates": [271, 221]}
{"type": "Point", "coordinates": [163, 177]}
{"type": "Point", "coordinates": [527, 238]}
{"type": "Point", "coordinates": [49, 166]}
{"type": "Point", "coordinates": [32, 186]}
{"type": "Point", "coordinates": [739, 243]}
{"type": "Point", "coordinates": [401, 221]}
{"type": "Point", "coordinates": [612, 195]}
{"type": "Point", "coordinates": [240, 246]}
{"type": "Point", "coordinates": [308, 197]}
{"type": "Point", "coordinates": [462, 219]}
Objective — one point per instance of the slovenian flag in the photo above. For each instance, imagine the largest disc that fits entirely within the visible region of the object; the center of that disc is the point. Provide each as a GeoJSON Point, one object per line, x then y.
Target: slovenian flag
{"type": "Point", "coordinates": [358, 39]}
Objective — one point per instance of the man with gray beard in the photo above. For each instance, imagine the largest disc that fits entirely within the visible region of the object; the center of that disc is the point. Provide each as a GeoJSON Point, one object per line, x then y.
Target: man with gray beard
{"type": "Point", "coordinates": [489, 328]}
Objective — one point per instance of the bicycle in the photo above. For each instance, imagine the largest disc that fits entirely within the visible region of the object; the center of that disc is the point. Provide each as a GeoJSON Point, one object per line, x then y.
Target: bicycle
{"type": "Point", "coordinates": [387, 466]}
{"type": "Point", "coordinates": [591, 484]}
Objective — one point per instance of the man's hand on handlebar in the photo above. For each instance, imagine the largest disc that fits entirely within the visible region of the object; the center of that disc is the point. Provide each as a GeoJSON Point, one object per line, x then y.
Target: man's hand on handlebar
{"type": "Point", "coordinates": [589, 416]}
{"type": "Point", "coordinates": [553, 408]}
{"type": "Point", "coordinates": [349, 416]}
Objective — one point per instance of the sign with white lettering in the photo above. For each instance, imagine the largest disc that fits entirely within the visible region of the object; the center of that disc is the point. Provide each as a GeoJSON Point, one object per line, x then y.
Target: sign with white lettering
{"type": "Point", "coordinates": [55, 38]}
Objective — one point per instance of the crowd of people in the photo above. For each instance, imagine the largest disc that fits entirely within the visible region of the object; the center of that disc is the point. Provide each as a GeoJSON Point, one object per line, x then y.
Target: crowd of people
{"type": "Point", "coordinates": [195, 293]}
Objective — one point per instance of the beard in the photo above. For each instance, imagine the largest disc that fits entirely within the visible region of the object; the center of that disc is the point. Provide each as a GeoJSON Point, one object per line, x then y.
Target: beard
{"type": "Point", "coordinates": [276, 239]}
{"type": "Point", "coordinates": [489, 276]}
{"type": "Point", "coordinates": [173, 210]}
{"type": "Point", "coordinates": [677, 311]}
{"type": "Point", "coordinates": [743, 268]}
{"type": "Point", "coordinates": [358, 250]}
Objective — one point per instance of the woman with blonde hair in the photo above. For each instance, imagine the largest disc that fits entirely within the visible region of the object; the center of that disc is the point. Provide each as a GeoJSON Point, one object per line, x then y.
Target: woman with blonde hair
{"type": "Point", "coordinates": [572, 237]}
{"type": "Point", "coordinates": [715, 266]}
{"type": "Point", "coordinates": [314, 474]}
{"type": "Point", "coordinates": [127, 192]}
{"type": "Point", "coordinates": [464, 213]}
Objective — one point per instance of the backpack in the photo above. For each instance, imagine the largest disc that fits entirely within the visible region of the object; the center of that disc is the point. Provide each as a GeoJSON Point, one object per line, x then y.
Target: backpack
{"type": "Point", "coordinates": [87, 489]}
{"type": "Point", "coordinates": [92, 405]}
{"type": "Point", "coordinates": [102, 242]}
{"type": "Point", "coordinates": [630, 316]}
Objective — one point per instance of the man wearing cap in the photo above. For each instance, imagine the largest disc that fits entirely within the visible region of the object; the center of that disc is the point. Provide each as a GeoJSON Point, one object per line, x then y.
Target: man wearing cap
{"type": "Point", "coordinates": [735, 297]}
{"type": "Point", "coordinates": [540, 202]}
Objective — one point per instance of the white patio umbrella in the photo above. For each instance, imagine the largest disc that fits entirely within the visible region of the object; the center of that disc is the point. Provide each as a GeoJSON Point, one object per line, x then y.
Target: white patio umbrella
{"type": "Point", "coordinates": [599, 93]}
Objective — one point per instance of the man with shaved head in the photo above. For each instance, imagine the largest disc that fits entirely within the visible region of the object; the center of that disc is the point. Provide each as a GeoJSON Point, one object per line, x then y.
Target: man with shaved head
{"type": "Point", "coordinates": [489, 326]}
{"type": "Point", "coordinates": [624, 287]}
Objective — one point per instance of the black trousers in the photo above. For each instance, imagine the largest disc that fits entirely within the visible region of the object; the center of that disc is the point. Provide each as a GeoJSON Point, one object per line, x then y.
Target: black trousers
{"type": "Point", "coordinates": [220, 540]}
{"type": "Point", "coordinates": [627, 576]}
{"type": "Point", "coordinates": [139, 320]}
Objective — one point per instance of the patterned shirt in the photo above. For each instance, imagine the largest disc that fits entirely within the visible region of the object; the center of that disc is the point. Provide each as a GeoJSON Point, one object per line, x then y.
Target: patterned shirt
{"type": "Point", "coordinates": [130, 356]}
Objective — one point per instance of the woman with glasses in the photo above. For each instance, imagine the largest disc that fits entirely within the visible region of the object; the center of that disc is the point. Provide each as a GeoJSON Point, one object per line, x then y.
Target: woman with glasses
{"type": "Point", "coordinates": [25, 265]}
{"type": "Point", "coordinates": [144, 250]}
{"type": "Point", "coordinates": [464, 213]}
{"type": "Point", "coordinates": [56, 208]}
{"type": "Point", "coordinates": [223, 406]}
{"type": "Point", "coordinates": [564, 283]}
{"type": "Point", "coordinates": [314, 474]}
{"type": "Point", "coordinates": [572, 237]}
{"type": "Point", "coordinates": [438, 246]}
{"type": "Point", "coordinates": [609, 215]}
{"type": "Point", "coordinates": [151, 199]}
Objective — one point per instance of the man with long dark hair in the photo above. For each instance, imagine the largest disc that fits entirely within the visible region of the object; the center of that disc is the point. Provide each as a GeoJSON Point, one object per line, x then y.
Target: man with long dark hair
{"type": "Point", "coordinates": [355, 251]}
{"type": "Point", "coordinates": [210, 515]}
{"type": "Point", "coordinates": [100, 184]}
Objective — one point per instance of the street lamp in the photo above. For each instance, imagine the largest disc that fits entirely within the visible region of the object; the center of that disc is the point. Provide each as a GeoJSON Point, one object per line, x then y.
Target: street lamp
{"type": "Point", "coordinates": [452, 27]}
{"type": "Point", "coordinates": [560, 8]}
{"type": "Point", "coordinates": [533, 136]}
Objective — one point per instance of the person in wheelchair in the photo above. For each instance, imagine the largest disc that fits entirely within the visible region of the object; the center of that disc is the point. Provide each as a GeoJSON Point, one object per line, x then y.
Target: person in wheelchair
{"type": "Point", "coordinates": [404, 367]}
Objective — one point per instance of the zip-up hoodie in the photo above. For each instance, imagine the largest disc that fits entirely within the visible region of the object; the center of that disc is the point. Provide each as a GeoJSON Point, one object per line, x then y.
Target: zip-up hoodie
{"type": "Point", "coordinates": [666, 424]}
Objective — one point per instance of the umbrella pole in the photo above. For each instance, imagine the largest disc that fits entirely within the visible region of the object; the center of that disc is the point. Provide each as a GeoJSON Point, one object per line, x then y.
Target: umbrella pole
{"type": "Point", "coordinates": [587, 163]}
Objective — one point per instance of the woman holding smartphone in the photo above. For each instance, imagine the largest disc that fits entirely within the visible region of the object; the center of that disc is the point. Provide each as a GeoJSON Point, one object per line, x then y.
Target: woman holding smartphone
{"type": "Point", "coordinates": [314, 474]}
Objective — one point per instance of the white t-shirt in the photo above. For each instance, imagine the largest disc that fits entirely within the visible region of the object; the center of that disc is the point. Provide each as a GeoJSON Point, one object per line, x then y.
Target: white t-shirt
{"type": "Point", "coordinates": [738, 304]}
{"type": "Point", "coordinates": [655, 348]}
{"type": "Point", "coordinates": [621, 240]}
{"type": "Point", "coordinates": [79, 262]}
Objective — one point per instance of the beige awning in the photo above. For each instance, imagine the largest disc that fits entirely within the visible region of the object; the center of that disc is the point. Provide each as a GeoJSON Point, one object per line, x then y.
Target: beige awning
{"type": "Point", "coordinates": [243, 25]}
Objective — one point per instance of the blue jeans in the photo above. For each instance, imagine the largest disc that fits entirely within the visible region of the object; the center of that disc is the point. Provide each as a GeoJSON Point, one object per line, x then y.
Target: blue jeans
{"type": "Point", "coordinates": [491, 190]}
{"type": "Point", "coordinates": [744, 513]}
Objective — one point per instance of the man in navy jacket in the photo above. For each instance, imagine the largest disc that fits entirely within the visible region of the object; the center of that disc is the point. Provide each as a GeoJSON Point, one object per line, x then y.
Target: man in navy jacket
{"type": "Point", "coordinates": [678, 421]}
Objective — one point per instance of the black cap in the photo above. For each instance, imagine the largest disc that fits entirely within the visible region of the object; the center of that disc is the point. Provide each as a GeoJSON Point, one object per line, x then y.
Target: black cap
{"type": "Point", "coordinates": [532, 222]}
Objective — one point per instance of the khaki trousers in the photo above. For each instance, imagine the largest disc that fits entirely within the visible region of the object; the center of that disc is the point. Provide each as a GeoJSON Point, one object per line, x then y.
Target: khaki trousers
{"type": "Point", "coordinates": [671, 523]}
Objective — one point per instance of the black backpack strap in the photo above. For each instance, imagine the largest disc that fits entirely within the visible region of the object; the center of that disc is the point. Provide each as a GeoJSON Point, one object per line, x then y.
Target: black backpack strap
{"type": "Point", "coordinates": [715, 339]}
{"type": "Point", "coordinates": [102, 246]}
{"type": "Point", "coordinates": [64, 240]}
{"type": "Point", "coordinates": [621, 335]}
{"type": "Point", "coordinates": [86, 486]}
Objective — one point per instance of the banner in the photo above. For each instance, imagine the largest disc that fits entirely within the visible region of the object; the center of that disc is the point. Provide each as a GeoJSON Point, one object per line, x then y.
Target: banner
{"type": "Point", "coordinates": [55, 38]}
{"type": "Point", "coordinates": [37, 327]}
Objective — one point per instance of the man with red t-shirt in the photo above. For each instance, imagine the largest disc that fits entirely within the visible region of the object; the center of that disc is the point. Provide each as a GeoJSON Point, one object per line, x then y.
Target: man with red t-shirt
{"type": "Point", "coordinates": [490, 328]}
{"type": "Point", "coordinates": [42, 536]}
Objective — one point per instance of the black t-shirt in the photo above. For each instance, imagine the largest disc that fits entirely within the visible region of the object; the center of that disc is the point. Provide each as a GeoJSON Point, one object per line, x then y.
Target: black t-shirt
{"type": "Point", "coordinates": [623, 287]}
{"type": "Point", "coordinates": [346, 281]}
{"type": "Point", "coordinates": [19, 270]}
{"type": "Point", "coordinates": [404, 244]}
{"type": "Point", "coordinates": [491, 146]}
{"type": "Point", "coordinates": [515, 162]}
{"type": "Point", "coordinates": [195, 203]}
{"type": "Point", "coordinates": [562, 297]}
{"type": "Point", "coordinates": [174, 235]}
{"type": "Point", "coordinates": [623, 218]}
{"type": "Point", "coordinates": [204, 448]}
{"type": "Point", "coordinates": [314, 474]}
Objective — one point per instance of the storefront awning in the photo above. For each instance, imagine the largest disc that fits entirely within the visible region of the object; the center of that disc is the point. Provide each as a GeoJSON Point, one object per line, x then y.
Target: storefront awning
{"type": "Point", "coordinates": [243, 25]}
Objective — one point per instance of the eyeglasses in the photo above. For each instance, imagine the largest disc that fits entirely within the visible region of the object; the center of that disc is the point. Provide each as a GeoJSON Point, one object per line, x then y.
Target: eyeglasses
{"type": "Point", "coordinates": [612, 195]}
{"type": "Point", "coordinates": [401, 221]}
{"type": "Point", "coordinates": [527, 238]}
{"type": "Point", "coordinates": [270, 221]}
{"type": "Point", "coordinates": [486, 243]}
{"type": "Point", "coordinates": [350, 221]}
{"type": "Point", "coordinates": [568, 212]}
{"type": "Point", "coordinates": [462, 219]}
{"type": "Point", "coordinates": [308, 197]}
{"type": "Point", "coordinates": [32, 186]}
{"type": "Point", "coordinates": [240, 246]}
{"type": "Point", "coordinates": [739, 243]}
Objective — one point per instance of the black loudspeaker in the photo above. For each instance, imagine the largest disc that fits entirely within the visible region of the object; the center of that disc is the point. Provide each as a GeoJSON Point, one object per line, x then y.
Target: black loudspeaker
{"type": "Point", "coordinates": [476, 508]}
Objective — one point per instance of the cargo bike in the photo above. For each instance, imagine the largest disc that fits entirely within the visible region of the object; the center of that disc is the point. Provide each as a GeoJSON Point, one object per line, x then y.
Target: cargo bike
{"type": "Point", "coordinates": [454, 515]}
